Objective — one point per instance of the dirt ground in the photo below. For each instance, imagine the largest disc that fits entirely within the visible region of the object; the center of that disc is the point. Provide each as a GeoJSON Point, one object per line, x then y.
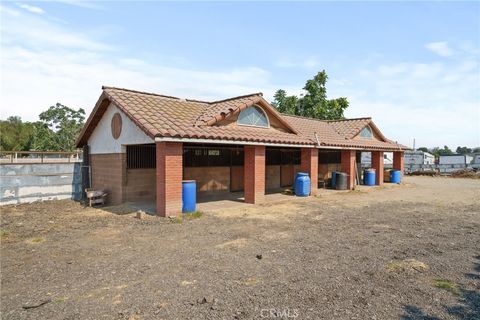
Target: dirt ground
{"type": "Point", "coordinates": [395, 252]}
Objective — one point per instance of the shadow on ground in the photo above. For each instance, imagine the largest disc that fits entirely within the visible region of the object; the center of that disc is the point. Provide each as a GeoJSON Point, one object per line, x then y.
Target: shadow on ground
{"type": "Point", "coordinates": [468, 307]}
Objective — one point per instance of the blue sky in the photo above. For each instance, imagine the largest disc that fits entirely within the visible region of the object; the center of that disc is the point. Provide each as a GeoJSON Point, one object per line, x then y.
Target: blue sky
{"type": "Point", "coordinates": [413, 67]}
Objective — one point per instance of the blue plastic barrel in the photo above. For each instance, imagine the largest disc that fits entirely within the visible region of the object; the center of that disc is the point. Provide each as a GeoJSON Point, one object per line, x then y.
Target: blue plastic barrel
{"type": "Point", "coordinates": [395, 176]}
{"type": "Point", "coordinates": [369, 177]}
{"type": "Point", "coordinates": [302, 184]}
{"type": "Point", "coordinates": [334, 180]}
{"type": "Point", "coordinates": [189, 195]}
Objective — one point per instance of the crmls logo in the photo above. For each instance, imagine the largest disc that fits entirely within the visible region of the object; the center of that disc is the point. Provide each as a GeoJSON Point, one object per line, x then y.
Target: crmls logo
{"type": "Point", "coordinates": [285, 313]}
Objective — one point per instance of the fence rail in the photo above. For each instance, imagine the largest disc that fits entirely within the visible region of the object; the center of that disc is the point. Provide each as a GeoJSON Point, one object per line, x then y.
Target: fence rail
{"type": "Point", "coordinates": [34, 157]}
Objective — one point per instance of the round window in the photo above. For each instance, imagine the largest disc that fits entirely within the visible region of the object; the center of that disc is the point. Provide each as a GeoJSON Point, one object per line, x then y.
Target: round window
{"type": "Point", "coordinates": [116, 125]}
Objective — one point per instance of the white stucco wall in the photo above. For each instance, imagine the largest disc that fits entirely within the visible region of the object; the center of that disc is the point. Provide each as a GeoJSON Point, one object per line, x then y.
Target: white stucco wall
{"type": "Point", "coordinates": [101, 141]}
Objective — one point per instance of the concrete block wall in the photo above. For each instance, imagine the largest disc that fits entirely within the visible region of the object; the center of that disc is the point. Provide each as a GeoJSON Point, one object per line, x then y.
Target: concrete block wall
{"type": "Point", "coordinates": [23, 183]}
{"type": "Point", "coordinates": [140, 185]}
{"type": "Point", "coordinates": [272, 177]}
{"type": "Point", "coordinates": [209, 179]}
{"type": "Point", "coordinates": [108, 174]}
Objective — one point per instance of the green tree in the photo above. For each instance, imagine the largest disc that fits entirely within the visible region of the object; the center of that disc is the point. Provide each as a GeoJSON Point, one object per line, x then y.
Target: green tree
{"type": "Point", "coordinates": [463, 150]}
{"type": "Point", "coordinates": [283, 103]}
{"type": "Point", "coordinates": [445, 151]}
{"type": "Point", "coordinates": [58, 128]}
{"type": "Point", "coordinates": [424, 149]}
{"type": "Point", "coordinates": [16, 135]}
{"type": "Point", "coordinates": [314, 103]}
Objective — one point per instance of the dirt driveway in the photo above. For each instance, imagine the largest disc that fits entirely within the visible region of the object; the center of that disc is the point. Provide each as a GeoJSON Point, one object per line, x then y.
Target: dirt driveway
{"type": "Point", "coordinates": [397, 252]}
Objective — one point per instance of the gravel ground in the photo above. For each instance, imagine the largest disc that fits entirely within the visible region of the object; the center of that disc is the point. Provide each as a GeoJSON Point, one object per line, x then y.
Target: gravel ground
{"type": "Point", "coordinates": [396, 252]}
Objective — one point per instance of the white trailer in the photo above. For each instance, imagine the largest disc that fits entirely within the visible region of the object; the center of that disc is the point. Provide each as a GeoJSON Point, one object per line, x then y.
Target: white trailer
{"type": "Point", "coordinates": [455, 159]}
{"type": "Point", "coordinates": [476, 159]}
{"type": "Point", "coordinates": [367, 159]}
{"type": "Point", "coordinates": [417, 157]}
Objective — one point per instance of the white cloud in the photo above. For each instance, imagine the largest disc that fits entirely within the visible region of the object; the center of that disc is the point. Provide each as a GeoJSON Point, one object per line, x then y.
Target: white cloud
{"type": "Point", "coordinates": [310, 62]}
{"type": "Point", "coordinates": [44, 63]}
{"type": "Point", "coordinates": [434, 103]}
{"type": "Point", "coordinates": [440, 48]}
{"type": "Point", "coordinates": [8, 11]}
{"type": "Point", "coordinates": [78, 3]}
{"type": "Point", "coordinates": [30, 8]}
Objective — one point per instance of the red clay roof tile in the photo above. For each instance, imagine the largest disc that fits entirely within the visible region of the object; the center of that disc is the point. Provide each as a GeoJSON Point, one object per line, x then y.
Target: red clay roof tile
{"type": "Point", "coordinates": [167, 116]}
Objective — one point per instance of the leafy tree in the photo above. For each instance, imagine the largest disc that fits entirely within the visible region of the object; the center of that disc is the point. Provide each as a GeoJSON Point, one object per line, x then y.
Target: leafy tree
{"type": "Point", "coordinates": [283, 103]}
{"type": "Point", "coordinates": [314, 103]}
{"type": "Point", "coordinates": [476, 150]}
{"type": "Point", "coordinates": [56, 131]}
{"type": "Point", "coordinates": [424, 149]}
{"type": "Point", "coordinates": [463, 150]}
{"type": "Point", "coordinates": [441, 152]}
{"type": "Point", "coordinates": [16, 135]}
{"type": "Point", "coordinates": [58, 128]}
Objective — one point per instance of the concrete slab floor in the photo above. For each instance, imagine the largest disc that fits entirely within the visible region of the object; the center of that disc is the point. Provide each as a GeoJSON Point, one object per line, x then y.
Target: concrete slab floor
{"type": "Point", "coordinates": [235, 199]}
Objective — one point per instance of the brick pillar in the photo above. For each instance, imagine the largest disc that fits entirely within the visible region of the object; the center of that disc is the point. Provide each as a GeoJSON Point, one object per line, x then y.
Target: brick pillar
{"type": "Point", "coordinates": [398, 161]}
{"type": "Point", "coordinates": [309, 164]}
{"type": "Point", "coordinates": [348, 166]}
{"type": "Point", "coordinates": [377, 164]}
{"type": "Point", "coordinates": [254, 174]}
{"type": "Point", "coordinates": [169, 178]}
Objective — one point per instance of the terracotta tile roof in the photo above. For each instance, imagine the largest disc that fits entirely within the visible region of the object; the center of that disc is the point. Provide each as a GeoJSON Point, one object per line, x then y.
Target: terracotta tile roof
{"type": "Point", "coordinates": [349, 128]}
{"type": "Point", "coordinates": [166, 116]}
{"type": "Point", "coordinates": [328, 136]}
{"type": "Point", "coordinates": [219, 110]}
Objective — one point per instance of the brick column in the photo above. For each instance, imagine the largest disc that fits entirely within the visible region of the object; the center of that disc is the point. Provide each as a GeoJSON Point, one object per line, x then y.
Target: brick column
{"type": "Point", "coordinates": [254, 174]}
{"type": "Point", "coordinates": [348, 166]}
{"type": "Point", "coordinates": [398, 161]}
{"type": "Point", "coordinates": [309, 164]}
{"type": "Point", "coordinates": [377, 164]}
{"type": "Point", "coordinates": [169, 178]}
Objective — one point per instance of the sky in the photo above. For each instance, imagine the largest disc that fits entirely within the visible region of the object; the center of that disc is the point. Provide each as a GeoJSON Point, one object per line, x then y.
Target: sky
{"type": "Point", "coordinates": [414, 67]}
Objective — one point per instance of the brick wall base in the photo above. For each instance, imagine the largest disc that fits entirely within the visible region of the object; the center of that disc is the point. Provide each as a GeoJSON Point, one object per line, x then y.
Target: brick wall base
{"type": "Point", "coordinates": [377, 164]}
{"type": "Point", "coordinates": [254, 174]}
{"type": "Point", "coordinates": [309, 164]}
{"type": "Point", "coordinates": [398, 161]}
{"type": "Point", "coordinates": [169, 178]}
{"type": "Point", "coordinates": [348, 166]}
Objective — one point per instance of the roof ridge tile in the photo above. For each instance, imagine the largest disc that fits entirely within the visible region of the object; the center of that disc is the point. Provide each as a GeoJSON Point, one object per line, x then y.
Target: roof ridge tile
{"type": "Point", "coordinates": [237, 97]}
{"type": "Point", "coordinates": [141, 92]}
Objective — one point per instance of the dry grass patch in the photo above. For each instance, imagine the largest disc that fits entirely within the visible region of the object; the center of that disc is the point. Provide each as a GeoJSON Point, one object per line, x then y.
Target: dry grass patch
{"type": "Point", "coordinates": [237, 243]}
{"type": "Point", "coordinates": [35, 240]}
{"type": "Point", "coordinates": [406, 266]}
{"type": "Point", "coordinates": [446, 285]}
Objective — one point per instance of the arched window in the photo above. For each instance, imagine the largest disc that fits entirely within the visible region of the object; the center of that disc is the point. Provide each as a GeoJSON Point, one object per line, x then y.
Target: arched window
{"type": "Point", "coordinates": [366, 133]}
{"type": "Point", "coordinates": [253, 116]}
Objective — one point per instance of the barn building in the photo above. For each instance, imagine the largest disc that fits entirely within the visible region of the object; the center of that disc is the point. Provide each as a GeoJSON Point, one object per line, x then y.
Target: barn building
{"type": "Point", "coordinates": [140, 146]}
